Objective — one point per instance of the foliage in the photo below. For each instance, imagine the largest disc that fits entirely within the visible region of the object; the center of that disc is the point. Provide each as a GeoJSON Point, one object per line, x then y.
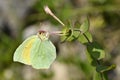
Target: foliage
{"type": "Point", "coordinates": [95, 52]}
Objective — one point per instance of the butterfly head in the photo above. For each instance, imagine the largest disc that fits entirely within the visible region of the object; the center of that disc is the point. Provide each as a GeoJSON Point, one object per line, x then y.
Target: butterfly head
{"type": "Point", "coordinates": [43, 35]}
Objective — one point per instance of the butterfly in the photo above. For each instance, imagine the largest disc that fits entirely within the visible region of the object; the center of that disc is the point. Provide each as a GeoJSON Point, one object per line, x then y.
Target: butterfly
{"type": "Point", "coordinates": [37, 51]}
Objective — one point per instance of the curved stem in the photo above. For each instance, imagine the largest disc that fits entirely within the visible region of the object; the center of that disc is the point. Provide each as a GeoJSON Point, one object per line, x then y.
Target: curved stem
{"type": "Point", "coordinates": [98, 62]}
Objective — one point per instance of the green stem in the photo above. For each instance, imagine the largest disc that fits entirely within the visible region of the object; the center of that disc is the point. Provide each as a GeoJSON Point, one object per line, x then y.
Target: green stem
{"type": "Point", "coordinates": [86, 38]}
{"type": "Point", "coordinates": [98, 62]}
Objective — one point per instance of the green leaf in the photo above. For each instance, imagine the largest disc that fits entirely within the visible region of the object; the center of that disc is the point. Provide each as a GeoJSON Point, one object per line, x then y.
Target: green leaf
{"type": "Point", "coordinates": [77, 24]}
{"type": "Point", "coordinates": [83, 39]}
{"type": "Point", "coordinates": [67, 34]}
{"type": "Point", "coordinates": [96, 51]}
{"type": "Point", "coordinates": [91, 60]}
{"type": "Point", "coordinates": [96, 76]}
{"type": "Point", "coordinates": [75, 35]}
{"type": "Point", "coordinates": [101, 68]}
{"type": "Point", "coordinates": [85, 26]}
{"type": "Point", "coordinates": [99, 76]}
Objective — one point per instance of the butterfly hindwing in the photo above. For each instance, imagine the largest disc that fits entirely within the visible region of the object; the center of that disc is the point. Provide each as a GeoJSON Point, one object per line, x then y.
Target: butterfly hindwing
{"type": "Point", "coordinates": [43, 53]}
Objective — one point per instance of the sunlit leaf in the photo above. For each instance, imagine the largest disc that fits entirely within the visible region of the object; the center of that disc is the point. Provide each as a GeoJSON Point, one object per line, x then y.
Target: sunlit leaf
{"type": "Point", "coordinates": [84, 26]}
{"type": "Point", "coordinates": [82, 38]}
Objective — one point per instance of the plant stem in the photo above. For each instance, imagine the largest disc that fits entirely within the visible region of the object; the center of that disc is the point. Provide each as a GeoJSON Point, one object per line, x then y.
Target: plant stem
{"type": "Point", "coordinates": [98, 62]}
{"type": "Point", "coordinates": [86, 38]}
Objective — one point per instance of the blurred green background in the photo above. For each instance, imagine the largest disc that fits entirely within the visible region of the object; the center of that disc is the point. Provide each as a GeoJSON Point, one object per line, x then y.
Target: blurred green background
{"type": "Point", "coordinates": [22, 18]}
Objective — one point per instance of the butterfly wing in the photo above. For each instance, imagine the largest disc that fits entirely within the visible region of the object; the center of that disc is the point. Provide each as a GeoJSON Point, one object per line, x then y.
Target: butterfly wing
{"type": "Point", "coordinates": [43, 53]}
{"type": "Point", "coordinates": [22, 53]}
